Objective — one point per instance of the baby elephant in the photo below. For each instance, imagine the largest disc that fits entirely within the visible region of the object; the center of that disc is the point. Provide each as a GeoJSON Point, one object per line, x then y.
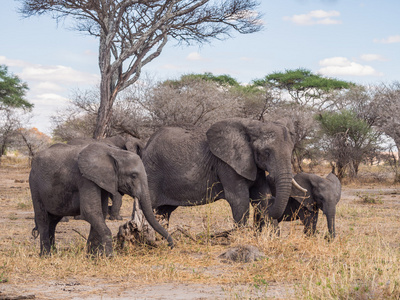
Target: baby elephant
{"type": "Point", "coordinates": [322, 193]}
{"type": "Point", "coordinates": [68, 180]}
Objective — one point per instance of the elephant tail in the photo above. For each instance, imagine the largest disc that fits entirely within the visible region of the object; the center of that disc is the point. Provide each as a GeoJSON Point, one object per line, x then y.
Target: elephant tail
{"type": "Point", "coordinates": [35, 231]}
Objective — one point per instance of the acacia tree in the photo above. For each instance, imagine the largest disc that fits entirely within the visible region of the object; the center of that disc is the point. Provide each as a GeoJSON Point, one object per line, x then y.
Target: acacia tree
{"type": "Point", "coordinates": [12, 91]}
{"type": "Point", "coordinates": [300, 94]}
{"type": "Point", "coordinates": [133, 32]}
{"type": "Point", "coordinates": [304, 87]}
{"type": "Point", "coordinates": [12, 99]}
{"type": "Point", "coordinates": [347, 140]}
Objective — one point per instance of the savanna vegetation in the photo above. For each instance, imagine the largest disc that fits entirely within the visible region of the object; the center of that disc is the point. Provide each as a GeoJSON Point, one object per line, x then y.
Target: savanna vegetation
{"type": "Point", "coordinates": [338, 126]}
{"type": "Point", "coordinates": [343, 132]}
{"type": "Point", "coordinates": [361, 263]}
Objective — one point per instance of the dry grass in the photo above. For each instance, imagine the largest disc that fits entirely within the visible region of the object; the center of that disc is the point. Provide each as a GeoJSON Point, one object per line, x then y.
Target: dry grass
{"type": "Point", "coordinates": [361, 263]}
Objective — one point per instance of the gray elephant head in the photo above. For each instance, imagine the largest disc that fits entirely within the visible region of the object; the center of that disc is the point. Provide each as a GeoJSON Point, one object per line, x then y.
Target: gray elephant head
{"type": "Point", "coordinates": [113, 170]}
{"type": "Point", "coordinates": [126, 143]}
{"type": "Point", "coordinates": [322, 193]}
{"type": "Point", "coordinates": [118, 171]}
{"type": "Point", "coordinates": [248, 146]}
{"type": "Point", "coordinates": [325, 192]}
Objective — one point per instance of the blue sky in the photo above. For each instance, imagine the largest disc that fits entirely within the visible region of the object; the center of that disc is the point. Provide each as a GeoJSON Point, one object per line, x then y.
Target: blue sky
{"type": "Point", "coordinates": [355, 40]}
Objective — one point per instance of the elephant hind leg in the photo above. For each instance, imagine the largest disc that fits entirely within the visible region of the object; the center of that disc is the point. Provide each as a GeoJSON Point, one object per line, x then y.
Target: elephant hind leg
{"type": "Point", "coordinates": [53, 221]}
{"type": "Point", "coordinates": [164, 212]}
{"type": "Point", "coordinates": [42, 223]}
{"type": "Point", "coordinates": [116, 207]}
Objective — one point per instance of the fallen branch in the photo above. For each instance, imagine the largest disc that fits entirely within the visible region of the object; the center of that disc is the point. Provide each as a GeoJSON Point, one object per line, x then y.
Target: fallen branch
{"type": "Point", "coordinates": [85, 238]}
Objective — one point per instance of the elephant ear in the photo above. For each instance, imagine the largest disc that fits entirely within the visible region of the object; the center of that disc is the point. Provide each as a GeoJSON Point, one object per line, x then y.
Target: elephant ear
{"type": "Point", "coordinates": [308, 183]}
{"type": "Point", "coordinates": [96, 164]}
{"type": "Point", "coordinates": [229, 142]}
{"type": "Point", "coordinates": [336, 186]}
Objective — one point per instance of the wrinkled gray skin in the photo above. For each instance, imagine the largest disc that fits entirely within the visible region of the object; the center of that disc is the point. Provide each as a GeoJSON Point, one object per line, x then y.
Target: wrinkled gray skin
{"type": "Point", "coordinates": [68, 180]}
{"type": "Point", "coordinates": [228, 161]}
{"type": "Point", "coordinates": [322, 193]}
{"type": "Point", "coordinates": [125, 143]}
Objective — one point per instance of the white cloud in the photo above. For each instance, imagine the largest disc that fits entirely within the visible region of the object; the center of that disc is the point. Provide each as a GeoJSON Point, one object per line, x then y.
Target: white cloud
{"type": "Point", "coordinates": [389, 40]}
{"type": "Point", "coordinates": [372, 57]}
{"type": "Point", "coordinates": [315, 17]}
{"type": "Point", "coordinates": [59, 74]}
{"type": "Point", "coordinates": [13, 62]}
{"type": "Point", "coordinates": [336, 66]}
{"type": "Point", "coordinates": [49, 74]}
{"type": "Point", "coordinates": [47, 86]}
{"type": "Point", "coordinates": [194, 56]}
{"type": "Point", "coordinates": [50, 99]}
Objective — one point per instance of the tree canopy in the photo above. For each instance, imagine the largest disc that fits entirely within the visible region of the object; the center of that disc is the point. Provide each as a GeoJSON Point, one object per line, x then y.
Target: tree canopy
{"type": "Point", "coordinates": [303, 86]}
{"type": "Point", "coordinates": [133, 32]}
{"type": "Point", "coordinates": [12, 90]}
{"type": "Point", "coordinates": [348, 139]}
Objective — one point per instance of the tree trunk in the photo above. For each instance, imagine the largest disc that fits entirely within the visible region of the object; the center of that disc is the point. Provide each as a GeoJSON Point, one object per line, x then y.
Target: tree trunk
{"type": "Point", "coordinates": [137, 230]}
{"type": "Point", "coordinates": [106, 93]}
{"type": "Point", "coordinates": [105, 109]}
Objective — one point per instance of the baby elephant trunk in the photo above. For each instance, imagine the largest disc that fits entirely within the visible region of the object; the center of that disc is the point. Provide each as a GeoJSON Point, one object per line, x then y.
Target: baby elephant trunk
{"type": "Point", "coordinates": [144, 200]}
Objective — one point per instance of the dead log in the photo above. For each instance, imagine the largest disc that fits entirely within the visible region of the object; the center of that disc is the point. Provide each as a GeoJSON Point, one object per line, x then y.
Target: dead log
{"type": "Point", "coordinates": [137, 230]}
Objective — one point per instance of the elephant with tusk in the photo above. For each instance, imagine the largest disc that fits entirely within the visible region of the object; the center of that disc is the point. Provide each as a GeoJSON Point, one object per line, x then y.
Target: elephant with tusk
{"type": "Point", "coordinates": [226, 161]}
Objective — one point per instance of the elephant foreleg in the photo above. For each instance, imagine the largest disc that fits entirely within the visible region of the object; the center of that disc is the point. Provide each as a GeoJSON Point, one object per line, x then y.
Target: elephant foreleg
{"type": "Point", "coordinates": [309, 219]}
{"type": "Point", "coordinates": [236, 192]}
{"type": "Point", "coordinates": [94, 206]}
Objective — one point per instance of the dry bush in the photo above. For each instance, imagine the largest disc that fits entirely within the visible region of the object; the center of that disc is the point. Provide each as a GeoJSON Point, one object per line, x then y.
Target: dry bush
{"type": "Point", "coordinates": [361, 263]}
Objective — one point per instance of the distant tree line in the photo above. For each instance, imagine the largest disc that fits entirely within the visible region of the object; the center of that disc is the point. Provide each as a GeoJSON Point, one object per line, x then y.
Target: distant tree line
{"type": "Point", "coordinates": [336, 121]}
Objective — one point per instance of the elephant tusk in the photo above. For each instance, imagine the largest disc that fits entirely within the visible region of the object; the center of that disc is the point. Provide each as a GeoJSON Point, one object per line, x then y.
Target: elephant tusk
{"type": "Point", "coordinates": [297, 186]}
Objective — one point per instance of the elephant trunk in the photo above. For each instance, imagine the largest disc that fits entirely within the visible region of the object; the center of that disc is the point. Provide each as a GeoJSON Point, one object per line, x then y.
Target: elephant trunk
{"type": "Point", "coordinates": [330, 218]}
{"type": "Point", "coordinates": [283, 184]}
{"type": "Point", "coordinates": [145, 205]}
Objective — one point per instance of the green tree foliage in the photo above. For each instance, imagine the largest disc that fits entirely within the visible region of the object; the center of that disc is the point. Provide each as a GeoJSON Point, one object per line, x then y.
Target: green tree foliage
{"type": "Point", "coordinates": [12, 90]}
{"type": "Point", "coordinates": [347, 140]}
{"type": "Point", "coordinates": [304, 87]}
{"type": "Point", "coordinates": [223, 80]}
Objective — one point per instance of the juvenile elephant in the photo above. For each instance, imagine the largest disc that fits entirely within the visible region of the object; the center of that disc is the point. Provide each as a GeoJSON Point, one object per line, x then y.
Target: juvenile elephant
{"type": "Point", "coordinates": [125, 143]}
{"type": "Point", "coordinates": [322, 193]}
{"type": "Point", "coordinates": [68, 180]}
{"type": "Point", "coordinates": [228, 161]}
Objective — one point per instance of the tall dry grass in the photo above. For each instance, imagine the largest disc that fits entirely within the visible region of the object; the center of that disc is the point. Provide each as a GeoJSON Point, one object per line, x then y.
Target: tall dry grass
{"type": "Point", "coordinates": [361, 263]}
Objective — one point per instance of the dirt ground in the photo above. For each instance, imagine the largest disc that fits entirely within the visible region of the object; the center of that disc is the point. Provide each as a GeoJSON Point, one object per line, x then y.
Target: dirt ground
{"type": "Point", "coordinates": [16, 222]}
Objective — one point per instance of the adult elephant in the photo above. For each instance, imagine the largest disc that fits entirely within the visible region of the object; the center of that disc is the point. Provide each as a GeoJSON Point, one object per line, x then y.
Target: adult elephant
{"type": "Point", "coordinates": [68, 180]}
{"type": "Point", "coordinates": [125, 143]}
{"type": "Point", "coordinates": [322, 193]}
{"type": "Point", "coordinates": [228, 161]}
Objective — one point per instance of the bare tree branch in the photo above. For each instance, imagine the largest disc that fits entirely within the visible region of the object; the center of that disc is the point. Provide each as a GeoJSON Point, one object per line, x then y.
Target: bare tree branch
{"type": "Point", "coordinates": [128, 30]}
